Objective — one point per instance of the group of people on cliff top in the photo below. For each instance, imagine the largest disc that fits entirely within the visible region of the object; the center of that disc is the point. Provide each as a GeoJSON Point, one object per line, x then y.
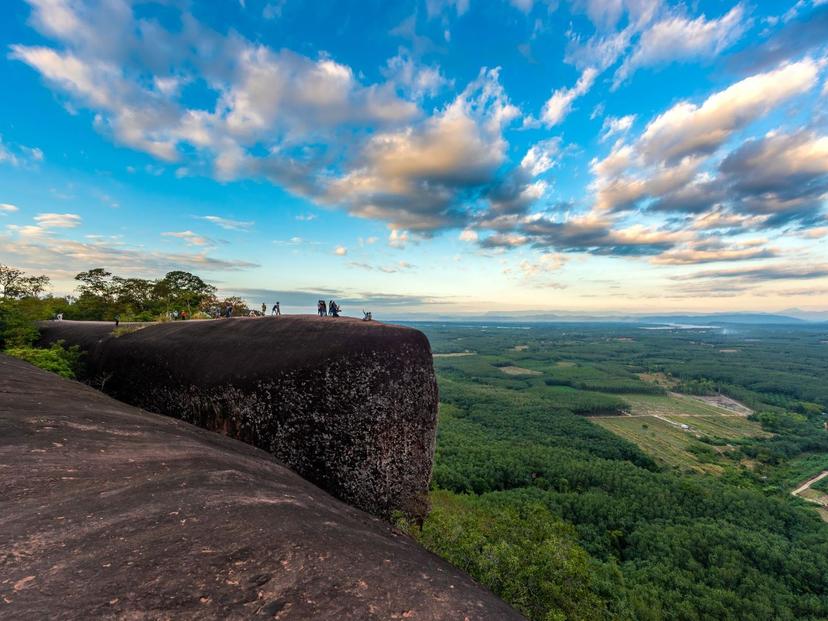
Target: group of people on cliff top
{"type": "Point", "coordinates": [325, 309]}
{"type": "Point", "coordinates": [332, 308]}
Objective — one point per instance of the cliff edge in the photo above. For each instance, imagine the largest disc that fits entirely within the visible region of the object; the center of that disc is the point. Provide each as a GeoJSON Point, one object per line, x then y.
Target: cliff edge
{"type": "Point", "coordinates": [112, 512]}
{"type": "Point", "coordinates": [349, 405]}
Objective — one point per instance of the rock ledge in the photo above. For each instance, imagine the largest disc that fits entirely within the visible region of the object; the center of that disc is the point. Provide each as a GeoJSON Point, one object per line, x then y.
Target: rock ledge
{"type": "Point", "coordinates": [108, 511]}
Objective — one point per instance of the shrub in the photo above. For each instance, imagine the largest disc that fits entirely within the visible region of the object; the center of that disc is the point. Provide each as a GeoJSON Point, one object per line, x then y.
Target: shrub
{"type": "Point", "coordinates": [57, 359]}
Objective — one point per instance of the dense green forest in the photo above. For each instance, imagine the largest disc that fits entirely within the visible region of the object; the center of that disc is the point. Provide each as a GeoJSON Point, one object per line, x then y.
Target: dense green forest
{"type": "Point", "coordinates": [567, 520]}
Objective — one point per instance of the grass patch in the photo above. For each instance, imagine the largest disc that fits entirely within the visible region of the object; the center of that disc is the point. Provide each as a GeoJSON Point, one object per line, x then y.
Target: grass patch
{"type": "Point", "coordinates": [127, 329]}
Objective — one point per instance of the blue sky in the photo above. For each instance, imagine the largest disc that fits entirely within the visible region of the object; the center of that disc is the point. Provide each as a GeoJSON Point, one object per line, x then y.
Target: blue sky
{"type": "Point", "coordinates": [437, 155]}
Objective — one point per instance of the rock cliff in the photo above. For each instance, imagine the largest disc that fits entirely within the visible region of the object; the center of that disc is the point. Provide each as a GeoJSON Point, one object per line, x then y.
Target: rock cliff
{"type": "Point", "coordinates": [349, 405]}
{"type": "Point", "coordinates": [111, 512]}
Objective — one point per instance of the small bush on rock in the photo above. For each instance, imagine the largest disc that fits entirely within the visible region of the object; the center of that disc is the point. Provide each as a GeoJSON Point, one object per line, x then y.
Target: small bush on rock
{"type": "Point", "coordinates": [58, 359]}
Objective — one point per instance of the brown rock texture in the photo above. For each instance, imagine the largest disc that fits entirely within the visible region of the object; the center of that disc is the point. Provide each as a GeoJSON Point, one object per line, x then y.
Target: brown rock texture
{"type": "Point", "coordinates": [349, 405]}
{"type": "Point", "coordinates": [110, 512]}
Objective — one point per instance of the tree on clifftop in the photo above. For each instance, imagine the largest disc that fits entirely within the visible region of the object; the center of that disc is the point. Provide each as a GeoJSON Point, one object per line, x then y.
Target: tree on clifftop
{"type": "Point", "coordinates": [14, 284]}
{"type": "Point", "coordinates": [20, 306]}
{"type": "Point", "coordinates": [180, 289]}
{"type": "Point", "coordinates": [97, 295]}
{"type": "Point", "coordinates": [136, 294]}
{"type": "Point", "coordinates": [96, 282]}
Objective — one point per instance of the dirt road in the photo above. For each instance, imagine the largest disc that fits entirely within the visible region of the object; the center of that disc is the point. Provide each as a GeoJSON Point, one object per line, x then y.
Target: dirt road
{"type": "Point", "coordinates": [807, 484]}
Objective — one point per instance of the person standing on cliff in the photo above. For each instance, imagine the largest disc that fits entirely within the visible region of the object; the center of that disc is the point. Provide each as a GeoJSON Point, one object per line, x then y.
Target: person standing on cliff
{"type": "Point", "coordinates": [264, 309]}
{"type": "Point", "coordinates": [333, 309]}
{"type": "Point", "coordinates": [323, 310]}
{"type": "Point", "coordinates": [277, 311]}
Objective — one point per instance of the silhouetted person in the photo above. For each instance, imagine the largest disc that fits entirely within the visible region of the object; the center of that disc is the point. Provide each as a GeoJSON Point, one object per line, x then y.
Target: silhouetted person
{"type": "Point", "coordinates": [276, 310]}
{"type": "Point", "coordinates": [264, 309]}
{"type": "Point", "coordinates": [333, 309]}
{"type": "Point", "coordinates": [323, 311]}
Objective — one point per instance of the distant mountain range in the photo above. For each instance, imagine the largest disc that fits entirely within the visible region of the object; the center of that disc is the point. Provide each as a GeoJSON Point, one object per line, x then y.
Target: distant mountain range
{"type": "Point", "coordinates": [788, 317]}
{"type": "Point", "coordinates": [806, 315]}
{"type": "Point", "coordinates": [720, 318]}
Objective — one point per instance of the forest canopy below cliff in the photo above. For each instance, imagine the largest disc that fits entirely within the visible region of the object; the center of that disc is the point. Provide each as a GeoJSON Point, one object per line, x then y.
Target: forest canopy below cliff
{"type": "Point", "coordinates": [566, 481]}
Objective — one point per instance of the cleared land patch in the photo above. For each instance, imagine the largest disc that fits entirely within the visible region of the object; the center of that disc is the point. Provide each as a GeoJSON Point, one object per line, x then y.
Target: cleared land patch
{"type": "Point", "coordinates": [669, 429]}
{"type": "Point", "coordinates": [511, 370]}
{"type": "Point", "coordinates": [659, 379]}
{"type": "Point", "coordinates": [725, 403]}
{"type": "Point", "coordinates": [455, 354]}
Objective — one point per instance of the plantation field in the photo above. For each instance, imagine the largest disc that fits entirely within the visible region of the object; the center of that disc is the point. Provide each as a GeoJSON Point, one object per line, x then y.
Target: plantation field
{"type": "Point", "coordinates": [674, 404]}
{"type": "Point", "coordinates": [669, 428]}
{"type": "Point", "coordinates": [666, 443]}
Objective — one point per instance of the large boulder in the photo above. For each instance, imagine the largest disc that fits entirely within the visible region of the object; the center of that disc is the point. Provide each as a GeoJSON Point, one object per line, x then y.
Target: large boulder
{"type": "Point", "coordinates": [350, 405]}
{"type": "Point", "coordinates": [111, 512]}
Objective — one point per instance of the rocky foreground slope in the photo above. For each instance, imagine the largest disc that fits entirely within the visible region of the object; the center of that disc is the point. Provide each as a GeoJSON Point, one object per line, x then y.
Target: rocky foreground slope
{"type": "Point", "coordinates": [107, 511]}
{"type": "Point", "coordinates": [349, 405]}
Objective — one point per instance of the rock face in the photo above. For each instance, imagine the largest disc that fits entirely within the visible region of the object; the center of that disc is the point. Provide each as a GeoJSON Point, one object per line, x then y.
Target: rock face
{"type": "Point", "coordinates": [349, 405]}
{"type": "Point", "coordinates": [111, 512]}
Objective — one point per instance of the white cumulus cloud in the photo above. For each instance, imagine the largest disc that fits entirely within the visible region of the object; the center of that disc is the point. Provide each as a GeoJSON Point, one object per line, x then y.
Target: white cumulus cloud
{"type": "Point", "coordinates": [559, 105]}
{"type": "Point", "coordinates": [681, 38]}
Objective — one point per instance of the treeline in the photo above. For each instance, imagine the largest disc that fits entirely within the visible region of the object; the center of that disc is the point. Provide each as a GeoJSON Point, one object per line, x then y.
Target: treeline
{"type": "Point", "coordinates": [101, 296]}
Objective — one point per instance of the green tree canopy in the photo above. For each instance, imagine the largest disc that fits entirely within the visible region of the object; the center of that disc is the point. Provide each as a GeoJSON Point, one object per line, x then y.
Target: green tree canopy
{"type": "Point", "coordinates": [15, 284]}
{"type": "Point", "coordinates": [183, 289]}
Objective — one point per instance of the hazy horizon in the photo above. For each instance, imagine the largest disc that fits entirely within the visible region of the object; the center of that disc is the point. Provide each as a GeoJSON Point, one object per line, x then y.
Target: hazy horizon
{"type": "Point", "coordinates": [427, 156]}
